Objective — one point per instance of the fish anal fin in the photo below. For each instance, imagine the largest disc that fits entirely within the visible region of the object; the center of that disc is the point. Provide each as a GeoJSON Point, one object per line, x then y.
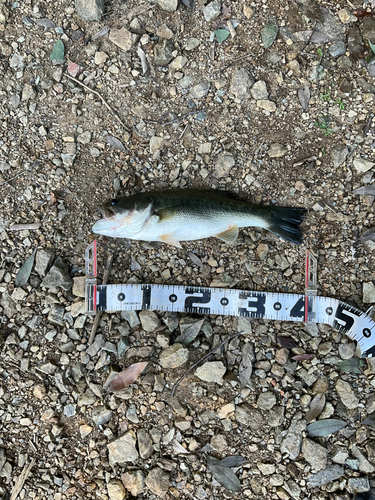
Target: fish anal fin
{"type": "Point", "coordinates": [228, 236]}
{"type": "Point", "coordinates": [170, 240]}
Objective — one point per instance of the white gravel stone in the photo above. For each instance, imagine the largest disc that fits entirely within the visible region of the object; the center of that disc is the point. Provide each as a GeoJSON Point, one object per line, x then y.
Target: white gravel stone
{"type": "Point", "coordinates": [346, 394]}
{"type": "Point", "coordinates": [174, 356]}
{"type": "Point", "coordinates": [122, 449]}
{"type": "Point", "coordinates": [211, 371]}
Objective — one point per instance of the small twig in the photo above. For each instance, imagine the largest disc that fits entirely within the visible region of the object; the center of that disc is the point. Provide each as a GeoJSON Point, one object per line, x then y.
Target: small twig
{"type": "Point", "coordinates": [16, 490]}
{"type": "Point", "coordinates": [21, 227]}
{"type": "Point", "coordinates": [367, 129]}
{"type": "Point", "coordinates": [183, 132]}
{"type": "Point", "coordinates": [176, 120]}
{"type": "Point", "coordinates": [232, 31]}
{"type": "Point", "coordinates": [141, 54]}
{"type": "Point", "coordinates": [105, 280]}
{"type": "Point", "coordinates": [234, 61]}
{"type": "Point", "coordinates": [14, 177]}
{"type": "Point", "coordinates": [301, 162]}
{"type": "Point", "coordinates": [200, 361]}
{"type": "Point", "coordinates": [100, 97]}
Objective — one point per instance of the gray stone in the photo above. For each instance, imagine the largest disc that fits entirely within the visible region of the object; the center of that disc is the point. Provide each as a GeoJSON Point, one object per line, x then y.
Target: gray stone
{"type": "Point", "coordinates": [101, 415]}
{"type": "Point", "coordinates": [131, 317]}
{"type": "Point", "coordinates": [358, 485]}
{"type": "Point", "coordinates": [43, 261]}
{"type": "Point", "coordinates": [174, 356]}
{"type": "Point", "coordinates": [337, 49]}
{"type": "Point", "coordinates": [122, 449]}
{"type": "Point", "coordinates": [90, 10]}
{"type": "Point", "coordinates": [291, 444]}
{"type": "Point", "coordinates": [293, 489]}
{"type": "Point", "coordinates": [346, 394]}
{"type": "Point", "coordinates": [17, 61]}
{"type": "Point", "coordinates": [325, 476]}
{"type": "Point", "coordinates": [9, 305]}
{"type": "Point", "coordinates": [158, 481]}
{"type": "Point", "coordinates": [275, 417]}
{"type": "Point", "coordinates": [145, 445]}
{"type": "Point", "coordinates": [369, 293]}
{"type": "Point", "coordinates": [249, 417]}
{"type": "Point", "coordinates": [266, 469]}
{"type": "Point", "coordinates": [339, 454]}
{"type": "Point", "coordinates": [212, 10]}
{"type": "Point", "coordinates": [364, 464]}
{"type": "Point", "coordinates": [314, 454]}
{"type": "Point", "coordinates": [223, 165]}
{"type": "Point", "coordinates": [95, 347]}
{"type": "Point", "coordinates": [134, 482]}
{"type": "Point", "coordinates": [116, 490]}
{"type": "Point", "coordinates": [168, 5]}
{"type": "Point", "coordinates": [149, 320]}
{"type": "Point", "coordinates": [200, 90]}
{"type": "Point", "coordinates": [56, 315]}
{"type": "Point", "coordinates": [277, 150]}
{"type": "Point", "coordinates": [362, 166]}
{"type": "Point", "coordinates": [69, 410]}
{"type": "Point", "coordinates": [339, 155]}
{"type": "Point", "coordinates": [266, 400]}
{"type": "Point", "coordinates": [211, 371]}
{"type": "Point", "coordinates": [58, 276]}
{"type": "Point", "coordinates": [259, 90]}
{"type": "Point", "coordinates": [123, 38]}
{"type": "Point", "coordinates": [122, 346]}
{"type": "Point", "coordinates": [192, 44]}
{"type": "Point", "coordinates": [241, 83]}
{"type": "Point", "coordinates": [85, 137]}
{"type": "Point", "coordinates": [163, 52]}
{"type": "Point", "coordinates": [346, 351]}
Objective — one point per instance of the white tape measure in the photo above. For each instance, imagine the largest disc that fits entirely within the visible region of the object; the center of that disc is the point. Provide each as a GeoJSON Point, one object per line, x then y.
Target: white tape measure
{"type": "Point", "coordinates": [233, 302]}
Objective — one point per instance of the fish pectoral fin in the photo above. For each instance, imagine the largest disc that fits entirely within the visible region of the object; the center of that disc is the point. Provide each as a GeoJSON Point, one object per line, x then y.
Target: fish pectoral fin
{"type": "Point", "coordinates": [170, 240]}
{"type": "Point", "coordinates": [228, 236]}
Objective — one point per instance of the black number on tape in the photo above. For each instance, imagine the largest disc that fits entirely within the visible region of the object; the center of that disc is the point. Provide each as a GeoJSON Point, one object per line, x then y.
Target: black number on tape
{"type": "Point", "coordinates": [173, 298]}
{"type": "Point", "coordinates": [329, 311]}
{"type": "Point", "coordinates": [146, 297]}
{"type": "Point", "coordinates": [343, 322]}
{"type": "Point", "coordinates": [190, 302]}
{"type": "Point", "coordinates": [366, 333]}
{"type": "Point", "coordinates": [277, 306]}
{"type": "Point", "coordinates": [255, 305]}
{"type": "Point", "coordinates": [121, 297]}
{"type": "Point", "coordinates": [224, 301]}
{"type": "Point", "coordinates": [298, 310]}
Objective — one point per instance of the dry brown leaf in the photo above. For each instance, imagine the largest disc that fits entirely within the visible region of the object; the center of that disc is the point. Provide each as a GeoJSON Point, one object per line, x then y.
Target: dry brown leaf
{"type": "Point", "coordinates": [316, 407]}
{"type": "Point", "coordinates": [127, 376]}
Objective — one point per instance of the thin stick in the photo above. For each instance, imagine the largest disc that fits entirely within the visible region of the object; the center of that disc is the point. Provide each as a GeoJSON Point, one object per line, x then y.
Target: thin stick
{"type": "Point", "coordinates": [7, 181]}
{"type": "Point", "coordinates": [183, 132]}
{"type": "Point", "coordinates": [235, 60]}
{"type": "Point", "coordinates": [16, 490]}
{"type": "Point", "coordinates": [105, 280]}
{"type": "Point", "coordinates": [301, 162]}
{"type": "Point", "coordinates": [369, 123]}
{"type": "Point", "coordinates": [100, 97]}
{"type": "Point", "coordinates": [176, 120]}
{"type": "Point", "coordinates": [200, 361]}
{"type": "Point", "coordinates": [21, 227]}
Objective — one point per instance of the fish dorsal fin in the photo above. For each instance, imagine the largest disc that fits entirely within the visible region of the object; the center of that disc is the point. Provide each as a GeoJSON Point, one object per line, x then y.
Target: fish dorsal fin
{"type": "Point", "coordinates": [229, 236]}
{"type": "Point", "coordinates": [170, 239]}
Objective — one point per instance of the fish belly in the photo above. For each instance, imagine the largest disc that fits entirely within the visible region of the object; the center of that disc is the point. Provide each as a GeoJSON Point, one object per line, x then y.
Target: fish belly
{"type": "Point", "coordinates": [195, 228]}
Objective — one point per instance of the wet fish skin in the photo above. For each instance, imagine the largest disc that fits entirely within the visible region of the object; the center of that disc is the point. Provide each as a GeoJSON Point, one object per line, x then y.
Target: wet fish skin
{"type": "Point", "coordinates": [185, 215]}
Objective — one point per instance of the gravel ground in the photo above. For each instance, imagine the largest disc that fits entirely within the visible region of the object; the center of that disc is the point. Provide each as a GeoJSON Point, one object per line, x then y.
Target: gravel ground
{"type": "Point", "coordinates": [147, 98]}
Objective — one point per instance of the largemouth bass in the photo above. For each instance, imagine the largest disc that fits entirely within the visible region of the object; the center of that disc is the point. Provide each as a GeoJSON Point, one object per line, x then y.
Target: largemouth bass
{"type": "Point", "coordinates": [189, 214]}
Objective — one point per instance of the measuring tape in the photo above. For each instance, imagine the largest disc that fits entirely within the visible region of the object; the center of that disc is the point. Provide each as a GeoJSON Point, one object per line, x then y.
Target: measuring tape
{"type": "Point", "coordinates": [233, 302]}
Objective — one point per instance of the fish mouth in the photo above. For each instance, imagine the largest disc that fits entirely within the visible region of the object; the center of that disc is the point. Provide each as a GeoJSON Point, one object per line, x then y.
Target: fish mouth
{"type": "Point", "coordinates": [105, 212]}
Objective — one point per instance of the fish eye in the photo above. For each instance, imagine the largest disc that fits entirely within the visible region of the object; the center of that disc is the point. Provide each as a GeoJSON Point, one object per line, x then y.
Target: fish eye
{"type": "Point", "coordinates": [113, 202]}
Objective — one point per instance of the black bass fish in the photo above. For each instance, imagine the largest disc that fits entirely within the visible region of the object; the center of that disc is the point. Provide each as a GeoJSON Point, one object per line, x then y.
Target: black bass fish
{"type": "Point", "coordinates": [189, 214]}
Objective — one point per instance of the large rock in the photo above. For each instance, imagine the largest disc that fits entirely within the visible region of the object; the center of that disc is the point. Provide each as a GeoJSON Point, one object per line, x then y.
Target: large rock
{"type": "Point", "coordinates": [116, 490]}
{"type": "Point", "coordinates": [241, 83]}
{"type": "Point", "coordinates": [90, 10]}
{"type": "Point", "coordinates": [174, 356]}
{"type": "Point", "coordinates": [314, 454]}
{"type": "Point", "coordinates": [325, 476]}
{"type": "Point", "coordinates": [134, 482]}
{"type": "Point", "coordinates": [58, 276]}
{"type": "Point", "coordinates": [223, 165]}
{"type": "Point", "coordinates": [211, 371]}
{"type": "Point", "coordinates": [346, 394]}
{"type": "Point", "coordinates": [158, 482]}
{"type": "Point", "coordinates": [123, 38]}
{"type": "Point", "coordinates": [122, 449]}
{"type": "Point", "coordinates": [291, 444]}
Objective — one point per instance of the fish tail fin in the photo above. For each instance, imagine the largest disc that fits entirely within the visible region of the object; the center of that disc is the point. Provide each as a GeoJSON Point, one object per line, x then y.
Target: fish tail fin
{"type": "Point", "coordinates": [285, 223]}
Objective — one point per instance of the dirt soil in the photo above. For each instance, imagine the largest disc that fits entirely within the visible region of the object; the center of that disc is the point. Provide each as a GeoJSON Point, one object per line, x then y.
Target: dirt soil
{"type": "Point", "coordinates": [163, 104]}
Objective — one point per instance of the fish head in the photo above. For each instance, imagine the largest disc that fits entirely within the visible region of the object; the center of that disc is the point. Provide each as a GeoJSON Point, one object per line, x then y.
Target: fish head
{"type": "Point", "coordinates": [122, 218]}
